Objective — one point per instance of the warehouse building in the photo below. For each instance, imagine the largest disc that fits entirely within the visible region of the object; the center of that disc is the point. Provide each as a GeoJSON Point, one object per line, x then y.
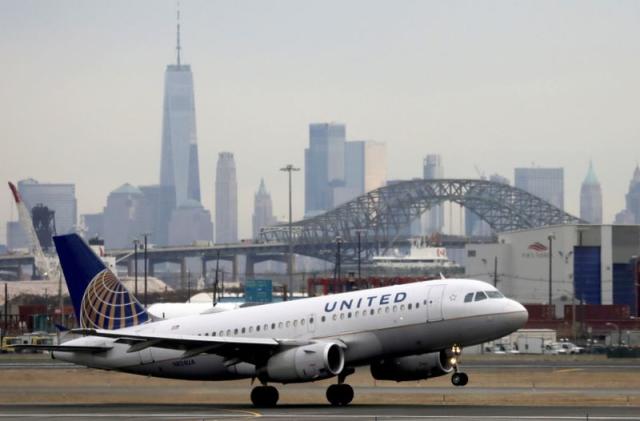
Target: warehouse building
{"type": "Point", "coordinates": [589, 264]}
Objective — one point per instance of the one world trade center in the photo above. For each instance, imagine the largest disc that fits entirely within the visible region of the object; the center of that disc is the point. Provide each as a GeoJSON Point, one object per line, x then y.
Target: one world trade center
{"type": "Point", "coordinates": [179, 163]}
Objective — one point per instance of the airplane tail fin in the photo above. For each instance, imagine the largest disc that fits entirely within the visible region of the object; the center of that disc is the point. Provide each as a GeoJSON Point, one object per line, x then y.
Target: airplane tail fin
{"type": "Point", "coordinates": [100, 301]}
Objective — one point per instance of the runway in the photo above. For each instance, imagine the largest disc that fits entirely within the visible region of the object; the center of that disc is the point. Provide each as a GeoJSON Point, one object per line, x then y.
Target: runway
{"type": "Point", "coordinates": [314, 412]}
{"type": "Point", "coordinates": [560, 388]}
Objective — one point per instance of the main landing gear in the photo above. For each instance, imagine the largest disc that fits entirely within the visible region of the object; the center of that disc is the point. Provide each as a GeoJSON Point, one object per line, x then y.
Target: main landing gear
{"type": "Point", "coordinates": [458, 378]}
{"type": "Point", "coordinates": [264, 396]}
{"type": "Point", "coordinates": [341, 394]}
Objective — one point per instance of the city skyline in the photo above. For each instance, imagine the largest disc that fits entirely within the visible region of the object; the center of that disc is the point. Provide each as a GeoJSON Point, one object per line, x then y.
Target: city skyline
{"type": "Point", "coordinates": [559, 104]}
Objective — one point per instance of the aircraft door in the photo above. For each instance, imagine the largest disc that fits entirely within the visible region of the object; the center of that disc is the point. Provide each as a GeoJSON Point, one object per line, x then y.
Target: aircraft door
{"type": "Point", "coordinates": [434, 303]}
{"type": "Point", "coordinates": [311, 323]}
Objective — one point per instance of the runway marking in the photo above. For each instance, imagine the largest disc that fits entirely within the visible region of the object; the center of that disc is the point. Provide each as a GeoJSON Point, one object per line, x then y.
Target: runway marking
{"type": "Point", "coordinates": [568, 370]}
{"type": "Point", "coordinates": [255, 414]}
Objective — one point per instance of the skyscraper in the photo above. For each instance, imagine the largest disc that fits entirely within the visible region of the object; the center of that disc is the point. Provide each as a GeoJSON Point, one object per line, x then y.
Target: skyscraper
{"type": "Point", "coordinates": [123, 217]}
{"type": "Point", "coordinates": [262, 210]}
{"type": "Point", "coordinates": [58, 197]}
{"type": "Point", "coordinates": [633, 196]}
{"type": "Point", "coordinates": [159, 203]}
{"type": "Point", "coordinates": [591, 198]}
{"type": "Point", "coordinates": [226, 199]}
{"type": "Point", "coordinates": [179, 163]}
{"type": "Point", "coordinates": [546, 183]}
{"type": "Point", "coordinates": [365, 170]}
{"type": "Point", "coordinates": [474, 225]}
{"type": "Point", "coordinates": [432, 169]}
{"type": "Point", "coordinates": [190, 222]}
{"type": "Point", "coordinates": [324, 166]}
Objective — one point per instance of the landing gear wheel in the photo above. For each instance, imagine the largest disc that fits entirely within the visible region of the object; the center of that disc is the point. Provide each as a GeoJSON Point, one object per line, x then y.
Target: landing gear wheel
{"type": "Point", "coordinates": [459, 379]}
{"type": "Point", "coordinates": [340, 394]}
{"type": "Point", "coordinates": [264, 396]}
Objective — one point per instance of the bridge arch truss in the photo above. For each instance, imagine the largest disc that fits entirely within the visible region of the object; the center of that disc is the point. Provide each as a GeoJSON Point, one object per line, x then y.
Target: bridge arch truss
{"type": "Point", "coordinates": [380, 215]}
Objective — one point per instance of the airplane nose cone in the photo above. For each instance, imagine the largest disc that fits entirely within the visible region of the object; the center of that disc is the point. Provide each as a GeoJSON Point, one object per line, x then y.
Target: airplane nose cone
{"type": "Point", "coordinates": [518, 314]}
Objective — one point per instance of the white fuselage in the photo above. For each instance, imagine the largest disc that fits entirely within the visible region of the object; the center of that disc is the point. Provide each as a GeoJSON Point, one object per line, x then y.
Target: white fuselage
{"type": "Point", "coordinates": [372, 324]}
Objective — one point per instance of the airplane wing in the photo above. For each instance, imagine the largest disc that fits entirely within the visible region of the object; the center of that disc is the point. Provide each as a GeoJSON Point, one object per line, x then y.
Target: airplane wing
{"type": "Point", "coordinates": [235, 349]}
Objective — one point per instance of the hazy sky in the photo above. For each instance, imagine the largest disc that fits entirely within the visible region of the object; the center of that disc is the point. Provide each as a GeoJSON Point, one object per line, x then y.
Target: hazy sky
{"type": "Point", "coordinates": [496, 84]}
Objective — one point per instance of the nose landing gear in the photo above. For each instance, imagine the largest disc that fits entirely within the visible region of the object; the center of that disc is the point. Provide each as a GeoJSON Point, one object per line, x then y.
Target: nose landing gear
{"type": "Point", "coordinates": [458, 378]}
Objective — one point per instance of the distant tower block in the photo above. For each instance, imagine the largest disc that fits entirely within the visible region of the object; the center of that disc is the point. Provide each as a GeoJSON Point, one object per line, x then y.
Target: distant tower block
{"type": "Point", "coordinates": [179, 163]}
{"type": "Point", "coordinates": [226, 199]}
{"type": "Point", "coordinates": [591, 198]}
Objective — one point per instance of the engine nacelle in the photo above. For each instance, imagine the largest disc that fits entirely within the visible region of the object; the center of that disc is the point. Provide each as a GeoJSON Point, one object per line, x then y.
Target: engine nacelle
{"type": "Point", "coordinates": [413, 367]}
{"type": "Point", "coordinates": [309, 362]}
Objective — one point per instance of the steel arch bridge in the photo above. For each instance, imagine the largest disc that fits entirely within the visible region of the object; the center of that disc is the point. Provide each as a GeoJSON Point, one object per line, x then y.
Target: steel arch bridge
{"type": "Point", "coordinates": [380, 215]}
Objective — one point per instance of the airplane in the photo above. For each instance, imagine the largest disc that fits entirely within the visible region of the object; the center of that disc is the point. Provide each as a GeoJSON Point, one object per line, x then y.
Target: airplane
{"type": "Point", "coordinates": [403, 332]}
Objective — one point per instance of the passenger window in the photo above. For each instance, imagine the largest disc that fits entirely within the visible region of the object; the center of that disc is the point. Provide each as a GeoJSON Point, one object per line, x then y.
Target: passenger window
{"type": "Point", "coordinates": [349, 315]}
{"type": "Point", "coordinates": [409, 306]}
{"type": "Point", "coordinates": [228, 332]}
{"type": "Point", "coordinates": [235, 331]}
{"type": "Point", "coordinates": [480, 296]}
{"type": "Point", "coordinates": [401, 307]}
{"type": "Point", "coordinates": [273, 326]}
{"type": "Point", "coordinates": [386, 309]}
{"type": "Point", "coordinates": [322, 319]}
{"type": "Point", "coordinates": [258, 328]}
{"type": "Point", "coordinates": [311, 320]}
{"type": "Point", "coordinates": [341, 316]}
{"type": "Point", "coordinates": [417, 306]}
{"type": "Point", "coordinates": [265, 327]}
{"type": "Point", "coordinates": [379, 310]}
{"type": "Point", "coordinates": [250, 329]}
{"type": "Point", "coordinates": [295, 323]}
{"type": "Point", "coordinates": [288, 323]}
{"type": "Point", "coordinates": [243, 330]}
{"type": "Point", "coordinates": [206, 334]}
{"type": "Point", "coordinates": [302, 322]}
{"type": "Point", "coordinates": [280, 325]}
{"type": "Point", "coordinates": [468, 298]}
{"type": "Point", "coordinates": [395, 309]}
{"type": "Point", "coordinates": [221, 333]}
{"type": "Point", "coordinates": [335, 317]}
{"type": "Point", "coordinates": [213, 333]}
{"type": "Point", "coordinates": [356, 313]}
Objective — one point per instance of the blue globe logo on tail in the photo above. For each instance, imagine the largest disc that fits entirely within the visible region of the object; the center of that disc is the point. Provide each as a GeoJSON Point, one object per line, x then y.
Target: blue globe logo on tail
{"type": "Point", "coordinates": [107, 304]}
{"type": "Point", "coordinates": [99, 300]}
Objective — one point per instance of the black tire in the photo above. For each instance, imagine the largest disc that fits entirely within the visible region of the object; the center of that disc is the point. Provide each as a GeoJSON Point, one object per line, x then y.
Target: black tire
{"type": "Point", "coordinates": [459, 379]}
{"type": "Point", "coordinates": [465, 379]}
{"type": "Point", "coordinates": [272, 396]}
{"type": "Point", "coordinates": [264, 396]}
{"type": "Point", "coordinates": [346, 394]}
{"type": "Point", "coordinates": [340, 394]}
{"type": "Point", "coordinates": [456, 379]}
{"type": "Point", "coordinates": [333, 395]}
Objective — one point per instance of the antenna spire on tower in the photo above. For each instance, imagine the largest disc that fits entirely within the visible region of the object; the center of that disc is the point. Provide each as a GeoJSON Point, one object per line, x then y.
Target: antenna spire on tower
{"type": "Point", "coordinates": [178, 34]}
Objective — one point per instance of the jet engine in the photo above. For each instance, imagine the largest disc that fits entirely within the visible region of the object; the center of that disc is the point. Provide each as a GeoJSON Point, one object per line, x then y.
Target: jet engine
{"type": "Point", "coordinates": [317, 361]}
{"type": "Point", "coordinates": [413, 367]}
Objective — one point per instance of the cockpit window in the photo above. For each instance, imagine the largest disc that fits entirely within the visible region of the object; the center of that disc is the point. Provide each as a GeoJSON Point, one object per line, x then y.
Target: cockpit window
{"type": "Point", "coordinates": [468, 298]}
{"type": "Point", "coordinates": [494, 294]}
{"type": "Point", "coordinates": [480, 296]}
